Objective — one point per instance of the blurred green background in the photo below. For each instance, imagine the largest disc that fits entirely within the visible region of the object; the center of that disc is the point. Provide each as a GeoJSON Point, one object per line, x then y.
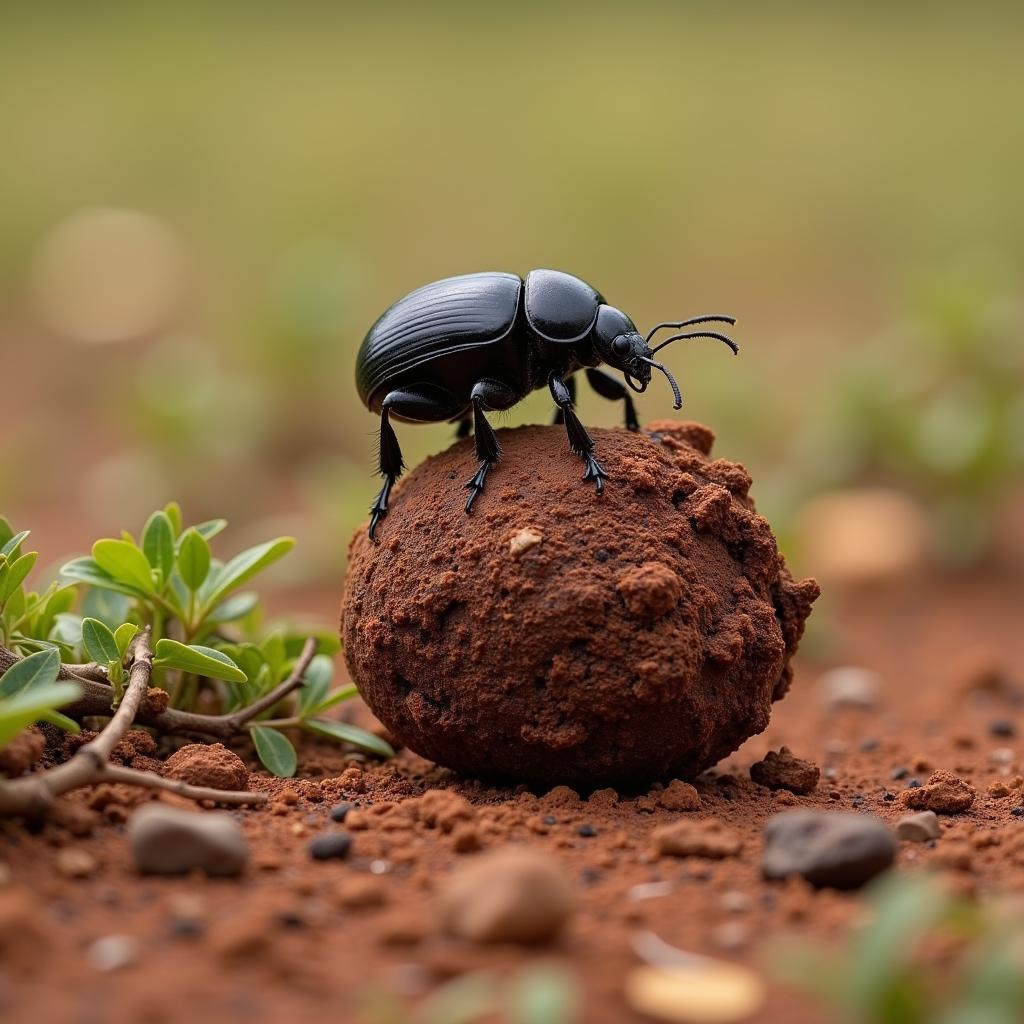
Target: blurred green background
{"type": "Point", "coordinates": [204, 207]}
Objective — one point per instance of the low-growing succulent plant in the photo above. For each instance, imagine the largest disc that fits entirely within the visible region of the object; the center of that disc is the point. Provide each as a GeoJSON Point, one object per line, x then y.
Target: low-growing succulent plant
{"type": "Point", "coordinates": [211, 651]}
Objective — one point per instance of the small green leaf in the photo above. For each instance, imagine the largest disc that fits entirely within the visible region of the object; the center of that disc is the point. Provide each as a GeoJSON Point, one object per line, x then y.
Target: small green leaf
{"type": "Point", "coordinates": [99, 642]}
{"type": "Point", "coordinates": [235, 607]}
{"type": "Point", "coordinates": [316, 682]}
{"type": "Point", "coordinates": [203, 661]}
{"type": "Point", "coordinates": [109, 607]}
{"type": "Point", "coordinates": [13, 543]}
{"type": "Point", "coordinates": [39, 669]}
{"type": "Point", "coordinates": [6, 530]}
{"type": "Point", "coordinates": [345, 733]}
{"type": "Point", "coordinates": [87, 570]}
{"type": "Point", "coordinates": [124, 562]}
{"type": "Point", "coordinates": [158, 543]}
{"type": "Point", "coordinates": [193, 559]}
{"type": "Point", "coordinates": [27, 706]}
{"type": "Point", "coordinates": [61, 721]}
{"type": "Point", "coordinates": [275, 751]}
{"type": "Point", "coordinates": [244, 566]}
{"type": "Point", "coordinates": [210, 528]}
{"type": "Point", "coordinates": [335, 697]}
{"type": "Point", "coordinates": [123, 636]}
{"type": "Point", "coordinates": [16, 573]}
{"type": "Point", "coordinates": [173, 512]}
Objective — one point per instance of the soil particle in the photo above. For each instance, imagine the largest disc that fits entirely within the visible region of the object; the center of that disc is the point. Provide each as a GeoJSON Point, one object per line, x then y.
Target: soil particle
{"type": "Point", "coordinates": [213, 765]}
{"type": "Point", "coordinates": [654, 660]}
{"type": "Point", "coordinates": [331, 846]}
{"type": "Point", "coordinates": [168, 841]}
{"type": "Point", "coordinates": [510, 895]}
{"type": "Point", "coordinates": [918, 828]}
{"type": "Point", "coordinates": [25, 937]}
{"type": "Point", "coordinates": [944, 793]}
{"type": "Point", "coordinates": [679, 796]}
{"type": "Point", "coordinates": [709, 838]}
{"type": "Point", "coordinates": [22, 752]}
{"type": "Point", "coordinates": [835, 849]}
{"type": "Point", "coordinates": [360, 892]}
{"type": "Point", "coordinates": [72, 862]}
{"type": "Point", "coordinates": [784, 770]}
{"type": "Point", "coordinates": [443, 809]}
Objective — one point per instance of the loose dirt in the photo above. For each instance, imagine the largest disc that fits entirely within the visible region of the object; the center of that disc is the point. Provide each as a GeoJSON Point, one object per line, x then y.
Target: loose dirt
{"type": "Point", "coordinates": [297, 938]}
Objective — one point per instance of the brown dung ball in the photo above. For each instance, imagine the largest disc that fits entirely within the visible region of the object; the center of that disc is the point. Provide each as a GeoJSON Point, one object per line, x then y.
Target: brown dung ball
{"type": "Point", "coordinates": [557, 635]}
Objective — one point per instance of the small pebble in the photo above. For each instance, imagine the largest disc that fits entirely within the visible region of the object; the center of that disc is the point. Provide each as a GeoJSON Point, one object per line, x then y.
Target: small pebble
{"type": "Point", "coordinates": [340, 811]}
{"type": "Point", "coordinates": [701, 991]}
{"type": "Point", "coordinates": [1018, 812]}
{"type": "Point", "coordinates": [918, 828]}
{"type": "Point", "coordinates": [1003, 728]}
{"type": "Point", "coordinates": [330, 846]}
{"type": "Point", "coordinates": [72, 862]}
{"type": "Point", "coordinates": [587, 831]}
{"type": "Point", "coordinates": [899, 773]}
{"type": "Point", "coordinates": [169, 841]}
{"type": "Point", "coordinates": [849, 686]}
{"type": "Point", "coordinates": [834, 849]}
{"type": "Point", "coordinates": [511, 895]}
{"type": "Point", "coordinates": [112, 952]}
{"type": "Point", "coordinates": [944, 794]}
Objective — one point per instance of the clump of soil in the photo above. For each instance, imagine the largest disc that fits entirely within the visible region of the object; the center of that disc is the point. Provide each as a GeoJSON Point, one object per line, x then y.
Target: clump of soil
{"type": "Point", "coordinates": [944, 794]}
{"type": "Point", "coordinates": [559, 635]}
{"type": "Point", "coordinates": [213, 765]}
{"type": "Point", "coordinates": [784, 770]}
{"type": "Point", "coordinates": [21, 752]}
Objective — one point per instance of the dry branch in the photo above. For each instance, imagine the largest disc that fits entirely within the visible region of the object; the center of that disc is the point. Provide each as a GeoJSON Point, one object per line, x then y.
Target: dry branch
{"type": "Point", "coordinates": [33, 794]}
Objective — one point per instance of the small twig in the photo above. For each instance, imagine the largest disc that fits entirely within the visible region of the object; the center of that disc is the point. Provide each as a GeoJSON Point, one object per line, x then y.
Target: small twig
{"type": "Point", "coordinates": [239, 719]}
{"type": "Point", "coordinates": [33, 794]}
{"type": "Point", "coordinates": [133, 777]}
{"type": "Point", "coordinates": [97, 699]}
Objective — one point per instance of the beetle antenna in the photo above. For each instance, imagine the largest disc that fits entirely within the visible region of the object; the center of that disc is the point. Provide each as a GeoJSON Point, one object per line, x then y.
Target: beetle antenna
{"type": "Point", "coordinates": [676, 324]}
{"type": "Point", "coordinates": [699, 334]}
{"type": "Point", "coordinates": [671, 380]}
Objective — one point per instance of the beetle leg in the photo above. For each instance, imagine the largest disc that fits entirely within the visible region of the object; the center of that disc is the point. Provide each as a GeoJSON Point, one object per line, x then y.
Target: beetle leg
{"type": "Point", "coordinates": [580, 441]}
{"type": "Point", "coordinates": [423, 402]}
{"type": "Point", "coordinates": [559, 415]}
{"type": "Point", "coordinates": [463, 429]}
{"type": "Point", "coordinates": [486, 394]}
{"type": "Point", "coordinates": [608, 387]}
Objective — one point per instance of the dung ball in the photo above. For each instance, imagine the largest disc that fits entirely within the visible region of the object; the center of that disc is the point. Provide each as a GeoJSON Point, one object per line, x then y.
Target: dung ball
{"type": "Point", "coordinates": [555, 635]}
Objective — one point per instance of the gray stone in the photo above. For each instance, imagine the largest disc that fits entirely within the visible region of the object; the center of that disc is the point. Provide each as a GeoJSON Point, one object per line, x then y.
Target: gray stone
{"type": "Point", "coordinates": [849, 686]}
{"type": "Point", "coordinates": [919, 828]}
{"type": "Point", "coordinates": [168, 841]}
{"type": "Point", "coordinates": [835, 849]}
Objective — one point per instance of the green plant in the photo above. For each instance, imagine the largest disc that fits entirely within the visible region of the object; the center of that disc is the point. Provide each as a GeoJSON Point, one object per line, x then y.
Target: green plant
{"type": "Point", "coordinates": [924, 956]}
{"type": "Point", "coordinates": [224, 672]}
{"type": "Point", "coordinates": [936, 407]}
{"type": "Point", "coordinates": [536, 994]}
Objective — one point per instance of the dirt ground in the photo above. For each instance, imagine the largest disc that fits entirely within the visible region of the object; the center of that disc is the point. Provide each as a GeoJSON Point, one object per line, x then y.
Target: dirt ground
{"type": "Point", "coordinates": [303, 937]}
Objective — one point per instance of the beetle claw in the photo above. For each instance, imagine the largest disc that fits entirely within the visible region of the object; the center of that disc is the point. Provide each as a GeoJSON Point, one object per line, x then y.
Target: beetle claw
{"type": "Point", "coordinates": [476, 484]}
{"type": "Point", "coordinates": [595, 471]}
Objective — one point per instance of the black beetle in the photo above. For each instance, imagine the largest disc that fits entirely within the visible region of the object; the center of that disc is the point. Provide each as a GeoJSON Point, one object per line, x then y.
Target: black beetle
{"type": "Point", "coordinates": [452, 349]}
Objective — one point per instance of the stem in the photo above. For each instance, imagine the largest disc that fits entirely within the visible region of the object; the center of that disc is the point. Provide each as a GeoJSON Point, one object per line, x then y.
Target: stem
{"type": "Point", "coordinates": [33, 794]}
{"type": "Point", "coordinates": [97, 698]}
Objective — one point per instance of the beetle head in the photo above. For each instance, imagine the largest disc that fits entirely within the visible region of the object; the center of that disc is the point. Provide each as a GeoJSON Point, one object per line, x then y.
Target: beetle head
{"type": "Point", "coordinates": [623, 347]}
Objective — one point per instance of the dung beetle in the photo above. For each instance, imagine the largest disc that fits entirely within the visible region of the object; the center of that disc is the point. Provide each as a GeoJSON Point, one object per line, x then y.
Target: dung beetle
{"type": "Point", "coordinates": [457, 347]}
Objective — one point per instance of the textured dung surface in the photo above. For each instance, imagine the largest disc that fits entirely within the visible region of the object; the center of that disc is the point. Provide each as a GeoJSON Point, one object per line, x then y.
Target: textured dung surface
{"type": "Point", "coordinates": [644, 635]}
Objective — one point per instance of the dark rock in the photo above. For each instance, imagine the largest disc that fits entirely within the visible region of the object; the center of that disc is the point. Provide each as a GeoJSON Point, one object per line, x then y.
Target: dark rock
{"type": "Point", "coordinates": [330, 846]}
{"type": "Point", "coordinates": [340, 811]}
{"type": "Point", "coordinates": [832, 849]}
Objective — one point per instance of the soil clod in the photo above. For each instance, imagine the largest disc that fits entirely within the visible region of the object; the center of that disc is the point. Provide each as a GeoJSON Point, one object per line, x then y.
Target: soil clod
{"type": "Point", "coordinates": [784, 770]}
